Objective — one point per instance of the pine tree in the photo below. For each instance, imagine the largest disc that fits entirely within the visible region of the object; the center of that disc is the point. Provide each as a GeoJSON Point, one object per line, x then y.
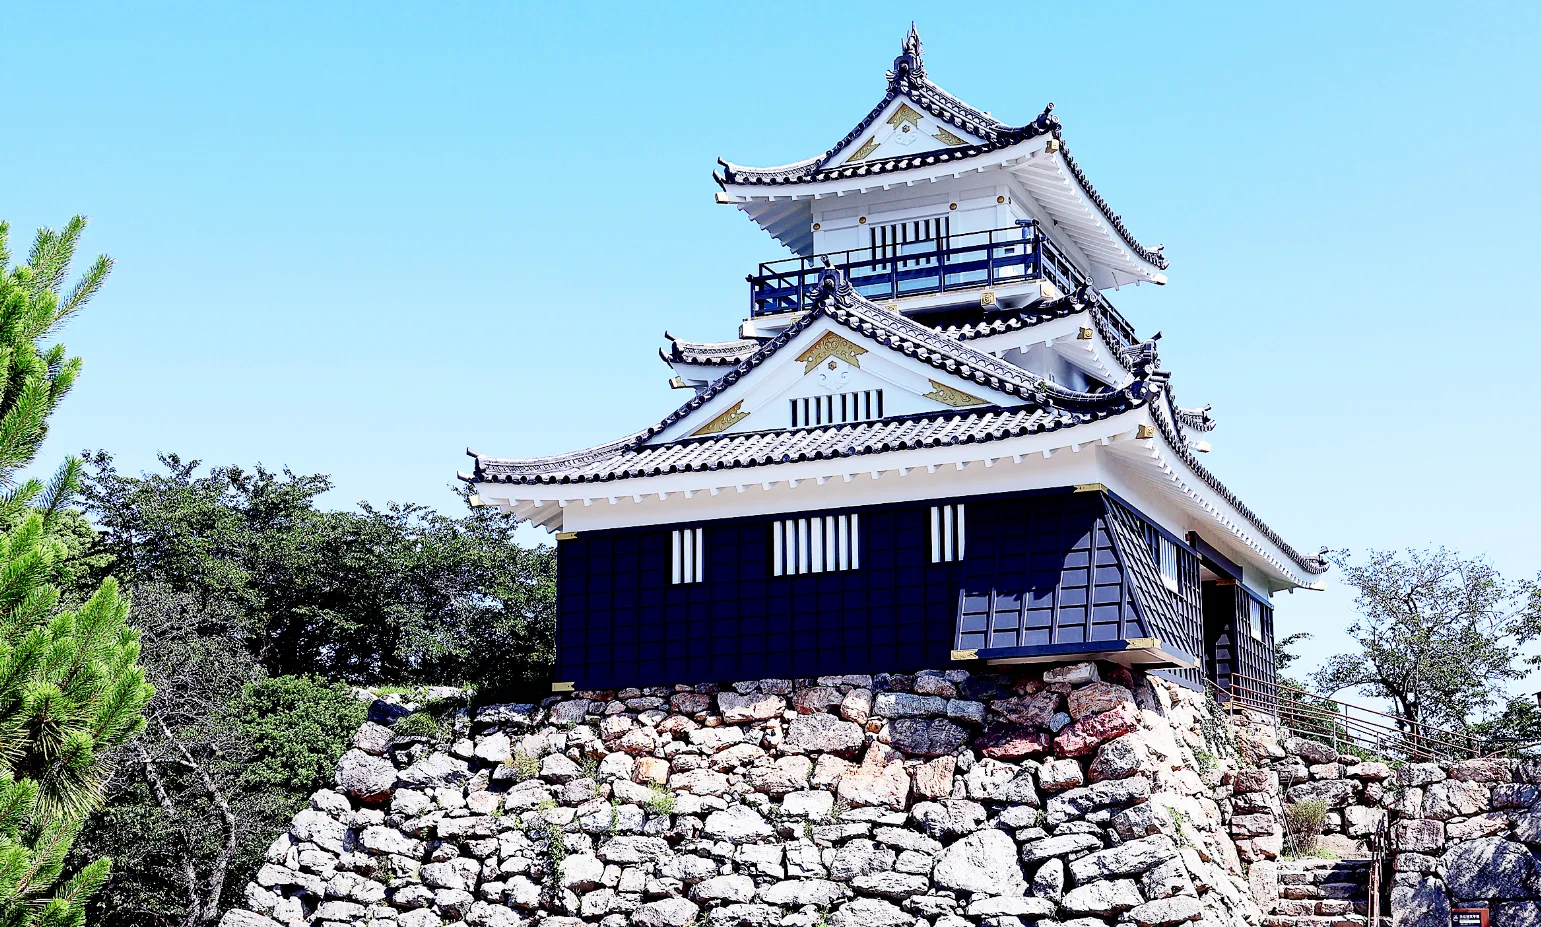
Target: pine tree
{"type": "Point", "coordinates": [71, 689]}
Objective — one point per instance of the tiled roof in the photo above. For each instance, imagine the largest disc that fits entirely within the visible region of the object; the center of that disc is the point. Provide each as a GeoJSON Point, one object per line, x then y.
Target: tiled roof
{"type": "Point", "coordinates": [763, 448]}
{"type": "Point", "coordinates": [1047, 407]}
{"type": "Point", "coordinates": [709, 353]}
{"type": "Point", "coordinates": [908, 78]}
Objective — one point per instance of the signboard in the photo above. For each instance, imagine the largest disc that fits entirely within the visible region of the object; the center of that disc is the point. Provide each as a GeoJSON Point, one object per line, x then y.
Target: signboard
{"type": "Point", "coordinates": [1468, 917]}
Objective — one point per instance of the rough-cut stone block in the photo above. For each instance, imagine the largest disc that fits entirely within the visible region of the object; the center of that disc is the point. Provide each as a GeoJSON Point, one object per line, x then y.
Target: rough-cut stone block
{"type": "Point", "coordinates": [1126, 859]}
{"type": "Point", "coordinates": [1075, 674]}
{"type": "Point", "coordinates": [1083, 736]}
{"type": "Point", "coordinates": [824, 733]}
{"type": "Point", "coordinates": [984, 862]}
{"type": "Point", "coordinates": [1102, 899]}
{"type": "Point", "coordinates": [1418, 836]}
{"type": "Point", "coordinates": [742, 709]}
{"type": "Point", "coordinates": [1486, 769]}
{"type": "Point", "coordinates": [1012, 742]}
{"type": "Point", "coordinates": [1490, 868]}
{"type": "Point", "coordinates": [1337, 793]}
{"type": "Point", "coordinates": [1166, 911]}
{"type": "Point", "coordinates": [870, 912]}
{"type": "Point", "coordinates": [1482, 825]}
{"type": "Point", "coordinates": [937, 737]}
{"type": "Point", "coordinates": [1098, 698]}
{"type": "Point", "coordinates": [934, 779]}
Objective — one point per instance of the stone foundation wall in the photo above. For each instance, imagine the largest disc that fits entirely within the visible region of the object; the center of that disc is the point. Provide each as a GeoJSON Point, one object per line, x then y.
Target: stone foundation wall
{"type": "Point", "coordinates": [1084, 795]}
{"type": "Point", "coordinates": [1467, 835]}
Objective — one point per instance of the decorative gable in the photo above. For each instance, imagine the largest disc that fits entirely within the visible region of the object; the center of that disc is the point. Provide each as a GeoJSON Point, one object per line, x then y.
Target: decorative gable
{"type": "Point", "coordinates": [831, 375]}
{"type": "Point", "coordinates": [904, 128]}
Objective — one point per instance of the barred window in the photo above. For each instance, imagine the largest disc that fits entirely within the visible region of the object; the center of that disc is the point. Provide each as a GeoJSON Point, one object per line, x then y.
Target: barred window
{"type": "Point", "coordinates": [947, 533]}
{"type": "Point", "coordinates": [1250, 615]}
{"type": "Point", "coordinates": [837, 409]}
{"type": "Point", "coordinates": [1168, 553]}
{"type": "Point", "coordinates": [688, 556]}
{"type": "Point", "coordinates": [817, 544]}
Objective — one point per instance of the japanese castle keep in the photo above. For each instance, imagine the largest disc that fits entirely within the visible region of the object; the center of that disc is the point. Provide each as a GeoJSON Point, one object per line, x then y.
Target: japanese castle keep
{"type": "Point", "coordinates": [934, 442]}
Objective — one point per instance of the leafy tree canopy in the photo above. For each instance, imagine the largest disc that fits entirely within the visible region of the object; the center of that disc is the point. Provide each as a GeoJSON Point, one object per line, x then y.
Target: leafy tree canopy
{"type": "Point", "coordinates": [1439, 635]}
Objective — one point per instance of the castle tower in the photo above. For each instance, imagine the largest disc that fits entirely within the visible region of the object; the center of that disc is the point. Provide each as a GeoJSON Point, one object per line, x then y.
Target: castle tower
{"type": "Point", "coordinates": [934, 442]}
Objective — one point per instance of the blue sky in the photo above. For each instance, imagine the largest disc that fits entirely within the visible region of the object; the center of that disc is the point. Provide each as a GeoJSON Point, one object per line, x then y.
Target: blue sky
{"type": "Point", "coordinates": [356, 238]}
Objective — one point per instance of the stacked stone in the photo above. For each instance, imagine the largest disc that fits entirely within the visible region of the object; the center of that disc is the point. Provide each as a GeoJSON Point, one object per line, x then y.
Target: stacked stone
{"type": "Point", "coordinates": [1467, 834]}
{"type": "Point", "coordinates": [940, 799]}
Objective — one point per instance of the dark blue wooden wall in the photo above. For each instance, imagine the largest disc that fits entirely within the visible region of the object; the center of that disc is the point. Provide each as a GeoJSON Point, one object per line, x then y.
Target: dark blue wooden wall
{"type": "Point", "coordinates": [1044, 567]}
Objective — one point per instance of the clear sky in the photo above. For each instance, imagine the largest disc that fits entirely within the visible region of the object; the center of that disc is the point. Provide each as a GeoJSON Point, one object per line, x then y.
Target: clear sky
{"type": "Point", "coordinates": [356, 238]}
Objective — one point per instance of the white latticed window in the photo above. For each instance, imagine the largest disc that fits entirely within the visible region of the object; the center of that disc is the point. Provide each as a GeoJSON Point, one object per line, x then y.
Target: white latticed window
{"type": "Point", "coordinates": [836, 409]}
{"type": "Point", "coordinates": [818, 544]}
{"type": "Point", "coordinates": [688, 558]}
{"type": "Point", "coordinates": [947, 534]}
{"type": "Point", "coordinates": [1168, 552]}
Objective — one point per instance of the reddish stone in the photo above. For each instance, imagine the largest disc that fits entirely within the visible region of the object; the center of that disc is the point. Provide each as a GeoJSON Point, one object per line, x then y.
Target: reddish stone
{"type": "Point", "coordinates": [1119, 675]}
{"type": "Point", "coordinates": [1098, 698]}
{"type": "Point", "coordinates": [1012, 742]}
{"type": "Point", "coordinates": [1085, 735]}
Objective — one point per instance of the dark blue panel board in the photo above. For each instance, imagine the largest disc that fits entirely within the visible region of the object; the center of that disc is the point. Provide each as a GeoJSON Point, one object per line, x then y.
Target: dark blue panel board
{"type": "Point", "coordinates": [1043, 570]}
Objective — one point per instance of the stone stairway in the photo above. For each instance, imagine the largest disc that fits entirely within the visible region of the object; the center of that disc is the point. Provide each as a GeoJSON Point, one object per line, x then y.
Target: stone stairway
{"type": "Point", "coordinates": [1323, 893]}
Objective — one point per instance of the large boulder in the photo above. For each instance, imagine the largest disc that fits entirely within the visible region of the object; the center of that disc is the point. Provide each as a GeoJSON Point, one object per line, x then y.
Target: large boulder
{"type": "Point", "coordinates": [1098, 698]}
{"type": "Point", "coordinates": [984, 862]}
{"type": "Point", "coordinates": [1490, 868]}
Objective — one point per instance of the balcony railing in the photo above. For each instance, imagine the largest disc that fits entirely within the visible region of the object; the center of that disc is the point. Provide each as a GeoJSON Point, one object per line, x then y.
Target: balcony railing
{"type": "Point", "coordinates": [967, 261]}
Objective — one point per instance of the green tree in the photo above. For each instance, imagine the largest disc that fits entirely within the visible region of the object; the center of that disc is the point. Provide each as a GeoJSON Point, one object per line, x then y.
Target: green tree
{"type": "Point", "coordinates": [1439, 636]}
{"type": "Point", "coordinates": [71, 689]}
{"type": "Point", "coordinates": [395, 594]}
{"type": "Point", "coordinates": [242, 581]}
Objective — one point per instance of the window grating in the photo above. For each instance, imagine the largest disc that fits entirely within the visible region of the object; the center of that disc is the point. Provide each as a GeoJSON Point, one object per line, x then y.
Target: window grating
{"type": "Point", "coordinates": [860, 406]}
{"type": "Point", "coordinates": [947, 533]}
{"type": "Point", "coordinates": [910, 244]}
{"type": "Point", "coordinates": [816, 544]}
{"type": "Point", "coordinates": [688, 558]}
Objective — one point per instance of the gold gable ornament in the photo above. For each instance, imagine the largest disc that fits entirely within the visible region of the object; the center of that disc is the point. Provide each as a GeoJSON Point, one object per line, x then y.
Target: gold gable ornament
{"type": "Point", "coordinates": [956, 398]}
{"type": "Point", "coordinates": [723, 422]}
{"type": "Point", "coordinates": [947, 138]}
{"type": "Point", "coordinates": [867, 147]}
{"type": "Point", "coordinates": [831, 345]}
{"type": "Point", "coordinates": [902, 115]}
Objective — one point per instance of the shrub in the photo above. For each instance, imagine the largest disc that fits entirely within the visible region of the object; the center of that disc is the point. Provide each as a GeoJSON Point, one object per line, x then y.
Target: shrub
{"type": "Point", "coordinates": [1302, 826]}
{"type": "Point", "coordinates": [661, 801]}
{"type": "Point", "coordinates": [417, 724]}
{"type": "Point", "coordinates": [297, 728]}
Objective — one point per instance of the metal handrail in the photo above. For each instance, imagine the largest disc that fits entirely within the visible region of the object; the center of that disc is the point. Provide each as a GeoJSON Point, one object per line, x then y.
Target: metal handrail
{"type": "Point", "coordinates": [1322, 718]}
{"type": "Point", "coordinates": [960, 261]}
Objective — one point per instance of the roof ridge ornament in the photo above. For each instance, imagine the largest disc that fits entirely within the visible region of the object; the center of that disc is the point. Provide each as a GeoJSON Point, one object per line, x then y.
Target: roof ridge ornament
{"type": "Point", "coordinates": [909, 63]}
{"type": "Point", "coordinates": [833, 286]}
